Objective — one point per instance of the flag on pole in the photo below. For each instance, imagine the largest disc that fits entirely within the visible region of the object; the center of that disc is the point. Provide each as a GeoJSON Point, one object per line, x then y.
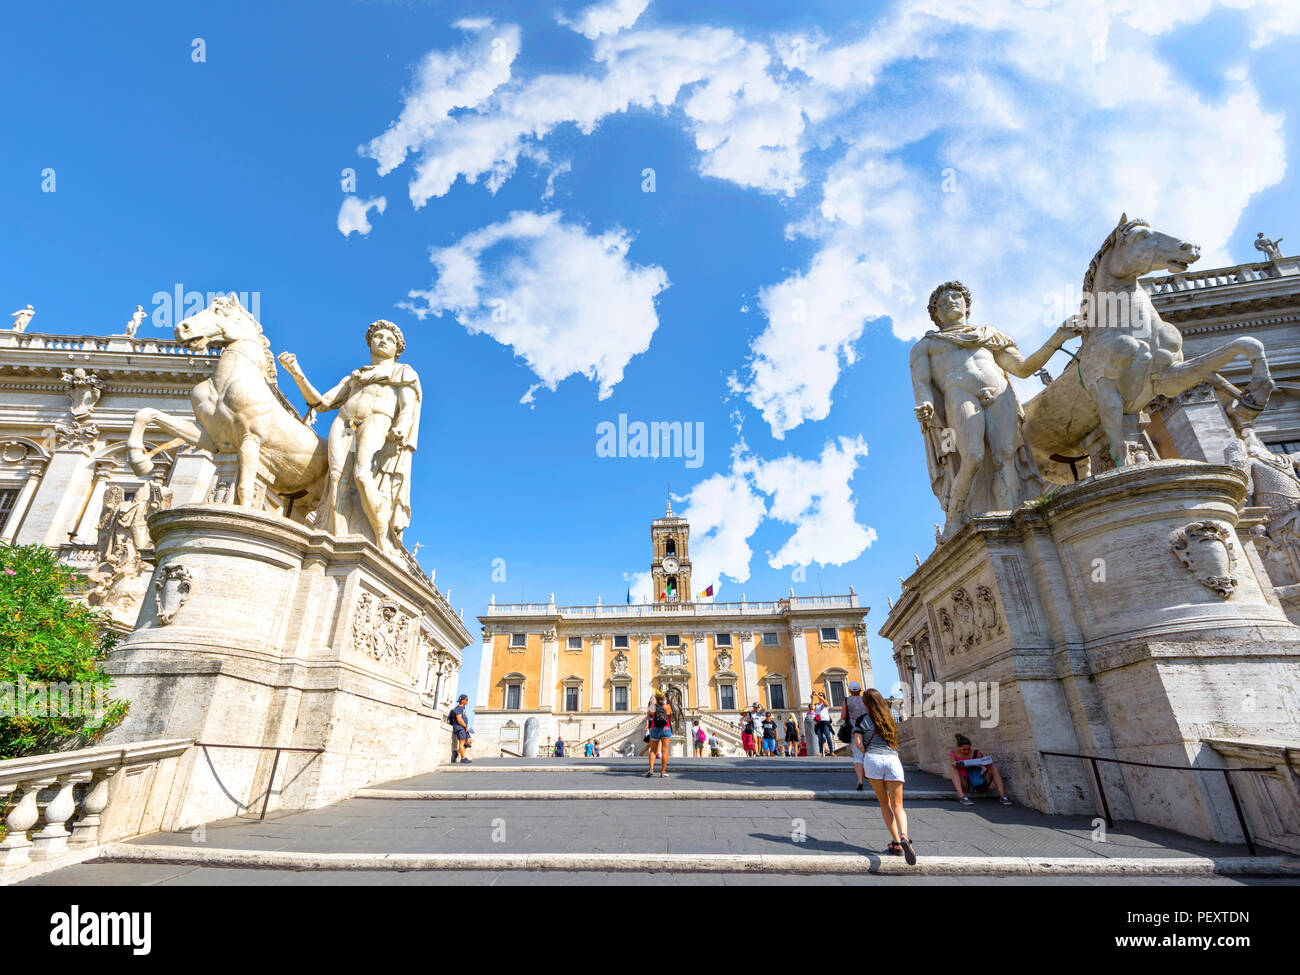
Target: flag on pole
{"type": "Point", "coordinates": [707, 592]}
{"type": "Point", "coordinates": [629, 597]}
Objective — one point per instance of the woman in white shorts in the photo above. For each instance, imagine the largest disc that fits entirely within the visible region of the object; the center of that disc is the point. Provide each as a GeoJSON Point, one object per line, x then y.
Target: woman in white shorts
{"type": "Point", "coordinates": [875, 747]}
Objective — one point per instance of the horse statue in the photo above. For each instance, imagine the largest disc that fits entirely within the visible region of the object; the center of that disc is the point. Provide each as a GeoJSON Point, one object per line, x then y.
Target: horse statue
{"type": "Point", "coordinates": [240, 410]}
{"type": "Point", "coordinates": [1129, 355]}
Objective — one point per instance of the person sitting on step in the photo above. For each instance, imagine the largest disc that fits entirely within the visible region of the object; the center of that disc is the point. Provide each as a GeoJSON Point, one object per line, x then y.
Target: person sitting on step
{"type": "Point", "coordinates": [973, 772]}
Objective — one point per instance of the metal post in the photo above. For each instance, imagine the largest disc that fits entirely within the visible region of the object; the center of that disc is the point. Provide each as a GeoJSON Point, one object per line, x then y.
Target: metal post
{"type": "Point", "coordinates": [1232, 791]}
{"type": "Point", "coordinates": [270, 785]}
{"type": "Point", "coordinates": [1101, 790]}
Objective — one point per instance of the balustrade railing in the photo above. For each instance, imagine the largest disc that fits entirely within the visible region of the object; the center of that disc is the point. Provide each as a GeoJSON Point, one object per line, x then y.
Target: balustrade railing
{"type": "Point", "coordinates": [99, 343]}
{"type": "Point", "coordinates": [56, 804]}
{"type": "Point", "coordinates": [671, 609]}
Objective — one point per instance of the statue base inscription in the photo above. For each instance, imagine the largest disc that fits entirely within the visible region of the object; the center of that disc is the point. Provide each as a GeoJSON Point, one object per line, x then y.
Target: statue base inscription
{"type": "Point", "coordinates": [259, 631]}
{"type": "Point", "coordinates": [1124, 616]}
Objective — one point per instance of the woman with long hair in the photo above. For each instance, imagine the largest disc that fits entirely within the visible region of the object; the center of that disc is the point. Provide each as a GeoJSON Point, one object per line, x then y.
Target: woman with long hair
{"type": "Point", "coordinates": [875, 738]}
{"type": "Point", "coordinates": [659, 732]}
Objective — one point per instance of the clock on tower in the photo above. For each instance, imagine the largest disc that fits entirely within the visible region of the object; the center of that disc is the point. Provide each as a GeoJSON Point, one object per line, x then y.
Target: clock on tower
{"type": "Point", "coordinates": [670, 564]}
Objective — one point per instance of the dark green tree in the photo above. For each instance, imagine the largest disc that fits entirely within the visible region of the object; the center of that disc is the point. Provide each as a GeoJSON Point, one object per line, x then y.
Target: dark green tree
{"type": "Point", "coordinates": [53, 689]}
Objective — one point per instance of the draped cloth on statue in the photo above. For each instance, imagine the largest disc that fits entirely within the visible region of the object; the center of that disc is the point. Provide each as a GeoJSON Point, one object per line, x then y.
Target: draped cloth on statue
{"type": "Point", "coordinates": [393, 462]}
{"type": "Point", "coordinates": [941, 455]}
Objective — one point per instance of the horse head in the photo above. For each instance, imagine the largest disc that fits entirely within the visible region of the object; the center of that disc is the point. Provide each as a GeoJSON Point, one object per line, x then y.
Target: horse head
{"type": "Point", "coordinates": [1133, 249]}
{"type": "Point", "coordinates": [224, 322]}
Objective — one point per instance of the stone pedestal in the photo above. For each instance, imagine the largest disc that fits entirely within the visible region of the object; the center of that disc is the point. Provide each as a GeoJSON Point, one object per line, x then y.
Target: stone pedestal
{"type": "Point", "coordinates": [258, 631]}
{"type": "Point", "coordinates": [1123, 617]}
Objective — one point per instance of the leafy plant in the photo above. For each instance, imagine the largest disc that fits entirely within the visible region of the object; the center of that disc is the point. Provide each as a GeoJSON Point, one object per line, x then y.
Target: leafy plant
{"type": "Point", "coordinates": [53, 688]}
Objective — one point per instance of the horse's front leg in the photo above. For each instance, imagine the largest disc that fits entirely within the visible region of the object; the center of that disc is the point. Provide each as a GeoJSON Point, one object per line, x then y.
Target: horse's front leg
{"type": "Point", "coordinates": [1110, 409]}
{"type": "Point", "coordinates": [250, 458]}
{"type": "Point", "coordinates": [1182, 376]}
{"type": "Point", "coordinates": [187, 430]}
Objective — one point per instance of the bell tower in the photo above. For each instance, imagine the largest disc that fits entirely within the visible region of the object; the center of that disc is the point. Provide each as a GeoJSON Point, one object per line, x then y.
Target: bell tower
{"type": "Point", "coordinates": [670, 564]}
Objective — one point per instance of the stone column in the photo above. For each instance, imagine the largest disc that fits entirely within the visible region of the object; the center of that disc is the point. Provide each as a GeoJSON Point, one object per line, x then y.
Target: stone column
{"type": "Point", "coordinates": [25, 493]}
{"type": "Point", "coordinates": [485, 672]}
{"type": "Point", "coordinates": [864, 655]}
{"type": "Point", "coordinates": [550, 652]}
{"type": "Point", "coordinates": [643, 672]}
{"type": "Point", "coordinates": [701, 641]}
{"type": "Point", "coordinates": [749, 668]}
{"type": "Point", "coordinates": [803, 676]}
{"type": "Point", "coordinates": [596, 693]}
{"type": "Point", "coordinates": [58, 498]}
{"type": "Point", "coordinates": [1197, 424]}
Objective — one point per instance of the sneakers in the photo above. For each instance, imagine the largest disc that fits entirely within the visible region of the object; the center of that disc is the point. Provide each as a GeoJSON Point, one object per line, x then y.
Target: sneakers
{"type": "Point", "coordinates": [909, 854]}
{"type": "Point", "coordinates": [966, 801]}
{"type": "Point", "coordinates": [1005, 801]}
{"type": "Point", "coordinates": [464, 761]}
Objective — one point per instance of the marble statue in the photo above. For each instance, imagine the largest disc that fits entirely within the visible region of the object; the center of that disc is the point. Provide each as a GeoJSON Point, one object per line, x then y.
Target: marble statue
{"type": "Point", "coordinates": [120, 577]}
{"type": "Point", "coordinates": [371, 442]}
{"type": "Point", "coordinates": [968, 411]}
{"type": "Point", "coordinates": [1271, 248]}
{"type": "Point", "coordinates": [240, 411]}
{"type": "Point", "coordinates": [136, 321]}
{"type": "Point", "coordinates": [1272, 482]}
{"type": "Point", "coordinates": [21, 318]}
{"type": "Point", "coordinates": [1128, 356]}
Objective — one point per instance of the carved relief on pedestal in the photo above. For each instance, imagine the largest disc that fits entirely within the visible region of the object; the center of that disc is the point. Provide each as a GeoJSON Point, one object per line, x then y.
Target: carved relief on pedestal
{"type": "Point", "coordinates": [382, 631]}
{"type": "Point", "coordinates": [171, 591]}
{"type": "Point", "coordinates": [121, 577]}
{"type": "Point", "coordinates": [1206, 551]}
{"type": "Point", "coordinates": [970, 618]}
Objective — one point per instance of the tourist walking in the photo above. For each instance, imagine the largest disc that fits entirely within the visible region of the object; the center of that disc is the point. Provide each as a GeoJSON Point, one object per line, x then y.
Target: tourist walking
{"type": "Point", "coordinates": [460, 728]}
{"type": "Point", "coordinates": [791, 736]}
{"type": "Point", "coordinates": [876, 739]}
{"type": "Point", "coordinates": [659, 730]}
{"type": "Point", "coordinates": [747, 734]}
{"type": "Point", "coordinates": [822, 725]}
{"type": "Point", "coordinates": [697, 733]}
{"type": "Point", "coordinates": [852, 709]}
{"type": "Point", "coordinates": [769, 735]}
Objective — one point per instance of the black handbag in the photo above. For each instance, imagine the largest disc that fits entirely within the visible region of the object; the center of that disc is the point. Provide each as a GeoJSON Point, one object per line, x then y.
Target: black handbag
{"type": "Point", "coordinates": [845, 733]}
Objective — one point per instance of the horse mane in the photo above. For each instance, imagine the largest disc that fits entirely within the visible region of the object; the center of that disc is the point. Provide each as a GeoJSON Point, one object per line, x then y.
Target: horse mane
{"type": "Point", "coordinates": [1090, 276]}
{"type": "Point", "coordinates": [269, 371]}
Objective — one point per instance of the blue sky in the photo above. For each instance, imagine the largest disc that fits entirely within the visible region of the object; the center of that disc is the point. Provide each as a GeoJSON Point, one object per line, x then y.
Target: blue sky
{"type": "Point", "coordinates": [816, 172]}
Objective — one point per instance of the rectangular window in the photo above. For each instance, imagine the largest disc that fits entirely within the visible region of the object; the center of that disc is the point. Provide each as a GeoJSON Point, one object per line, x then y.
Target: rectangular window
{"type": "Point", "coordinates": [8, 499]}
{"type": "Point", "coordinates": [776, 697]}
{"type": "Point", "coordinates": [722, 639]}
{"type": "Point", "coordinates": [727, 697]}
{"type": "Point", "coordinates": [620, 642]}
{"type": "Point", "coordinates": [835, 690]}
{"type": "Point", "coordinates": [771, 639]}
{"type": "Point", "coordinates": [1285, 447]}
{"type": "Point", "coordinates": [514, 693]}
{"type": "Point", "coordinates": [672, 640]}
{"type": "Point", "coordinates": [620, 698]}
{"type": "Point", "coordinates": [518, 639]}
{"type": "Point", "coordinates": [830, 634]}
{"type": "Point", "coordinates": [571, 698]}
{"type": "Point", "coordinates": [575, 643]}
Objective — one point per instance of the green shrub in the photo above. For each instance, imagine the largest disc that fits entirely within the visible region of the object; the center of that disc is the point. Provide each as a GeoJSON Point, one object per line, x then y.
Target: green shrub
{"type": "Point", "coordinates": [53, 689]}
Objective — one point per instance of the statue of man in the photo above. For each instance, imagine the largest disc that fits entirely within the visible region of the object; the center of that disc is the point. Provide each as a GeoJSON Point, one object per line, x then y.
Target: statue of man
{"type": "Point", "coordinates": [970, 413]}
{"type": "Point", "coordinates": [21, 317]}
{"type": "Point", "coordinates": [371, 441]}
{"type": "Point", "coordinates": [1271, 249]}
{"type": "Point", "coordinates": [1272, 482]}
{"type": "Point", "coordinates": [136, 321]}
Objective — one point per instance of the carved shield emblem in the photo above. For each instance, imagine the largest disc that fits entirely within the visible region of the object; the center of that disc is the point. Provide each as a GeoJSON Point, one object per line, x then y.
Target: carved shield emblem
{"type": "Point", "coordinates": [1206, 551]}
{"type": "Point", "coordinates": [171, 590]}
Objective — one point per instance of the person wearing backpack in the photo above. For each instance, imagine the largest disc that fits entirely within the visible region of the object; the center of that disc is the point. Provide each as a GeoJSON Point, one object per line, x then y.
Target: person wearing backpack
{"type": "Point", "coordinates": [875, 738]}
{"type": "Point", "coordinates": [659, 730]}
{"type": "Point", "coordinates": [852, 709]}
{"type": "Point", "coordinates": [973, 772]}
{"type": "Point", "coordinates": [460, 729]}
{"type": "Point", "coordinates": [697, 732]}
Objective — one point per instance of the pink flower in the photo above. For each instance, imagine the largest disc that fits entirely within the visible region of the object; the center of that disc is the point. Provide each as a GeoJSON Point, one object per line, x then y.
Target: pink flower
{"type": "Point", "coordinates": [10, 572]}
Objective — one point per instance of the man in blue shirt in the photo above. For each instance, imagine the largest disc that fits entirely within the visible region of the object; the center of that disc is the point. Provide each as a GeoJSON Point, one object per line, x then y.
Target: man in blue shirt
{"type": "Point", "coordinates": [460, 729]}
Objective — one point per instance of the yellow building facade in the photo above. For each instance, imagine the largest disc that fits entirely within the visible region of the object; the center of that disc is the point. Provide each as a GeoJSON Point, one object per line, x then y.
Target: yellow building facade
{"type": "Point", "coordinates": [584, 672]}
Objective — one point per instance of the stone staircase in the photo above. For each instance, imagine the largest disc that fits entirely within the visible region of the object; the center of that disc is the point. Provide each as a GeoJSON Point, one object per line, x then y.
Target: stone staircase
{"type": "Point", "coordinates": [584, 821]}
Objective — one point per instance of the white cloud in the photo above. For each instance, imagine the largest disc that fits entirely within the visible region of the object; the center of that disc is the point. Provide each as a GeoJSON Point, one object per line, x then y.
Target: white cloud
{"type": "Point", "coordinates": [352, 214]}
{"type": "Point", "coordinates": [605, 18]}
{"type": "Point", "coordinates": [815, 497]}
{"type": "Point", "coordinates": [725, 510]}
{"type": "Point", "coordinates": [567, 301]}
